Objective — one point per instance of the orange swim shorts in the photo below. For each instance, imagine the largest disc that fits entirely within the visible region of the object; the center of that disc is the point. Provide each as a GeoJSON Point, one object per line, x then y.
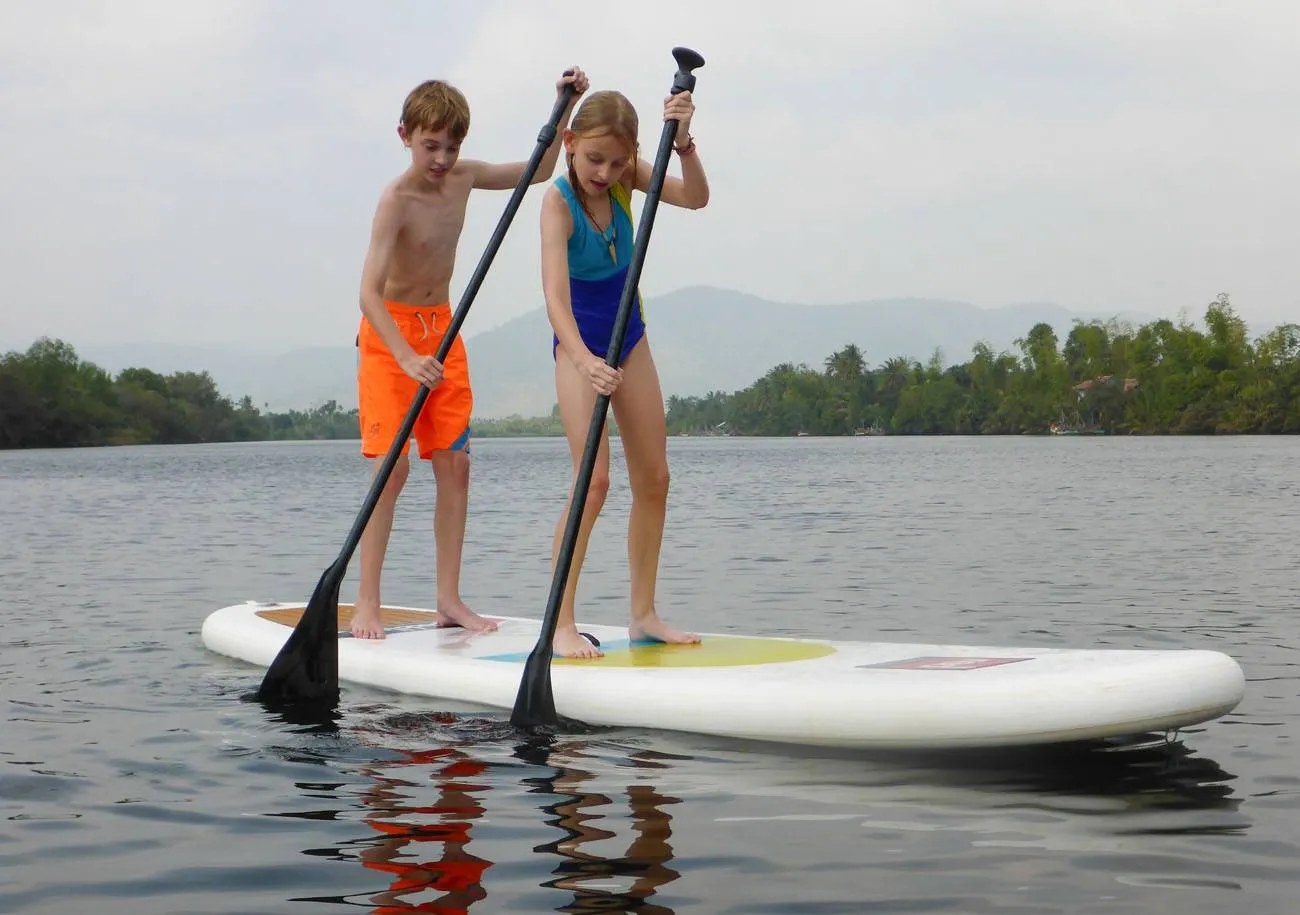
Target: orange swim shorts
{"type": "Point", "coordinates": [385, 392]}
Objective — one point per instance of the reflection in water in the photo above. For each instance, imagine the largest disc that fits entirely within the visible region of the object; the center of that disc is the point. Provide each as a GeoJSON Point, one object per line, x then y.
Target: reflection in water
{"type": "Point", "coordinates": [1142, 772]}
{"type": "Point", "coordinates": [435, 812]}
{"type": "Point", "coordinates": [424, 847]}
{"type": "Point", "coordinates": [644, 862]}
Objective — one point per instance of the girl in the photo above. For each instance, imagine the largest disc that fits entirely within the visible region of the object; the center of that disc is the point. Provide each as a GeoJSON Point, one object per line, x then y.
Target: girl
{"type": "Point", "coordinates": [587, 242]}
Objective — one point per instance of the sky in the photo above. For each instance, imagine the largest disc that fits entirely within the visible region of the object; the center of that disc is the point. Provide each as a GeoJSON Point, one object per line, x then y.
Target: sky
{"type": "Point", "coordinates": [206, 172]}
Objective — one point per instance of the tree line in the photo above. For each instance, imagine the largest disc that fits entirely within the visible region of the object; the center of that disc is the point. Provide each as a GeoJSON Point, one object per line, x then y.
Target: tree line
{"type": "Point", "coordinates": [51, 398]}
{"type": "Point", "coordinates": [1160, 378]}
{"type": "Point", "coordinates": [1107, 378]}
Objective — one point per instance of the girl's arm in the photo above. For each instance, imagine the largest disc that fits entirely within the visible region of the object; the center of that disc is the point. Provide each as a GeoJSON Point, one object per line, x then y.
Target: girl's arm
{"type": "Point", "coordinates": [557, 226]}
{"type": "Point", "coordinates": [691, 190]}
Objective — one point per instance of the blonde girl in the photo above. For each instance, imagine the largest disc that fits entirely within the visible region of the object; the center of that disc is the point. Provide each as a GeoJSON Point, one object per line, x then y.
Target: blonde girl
{"type": "Point", "coordinates": [587, 242]}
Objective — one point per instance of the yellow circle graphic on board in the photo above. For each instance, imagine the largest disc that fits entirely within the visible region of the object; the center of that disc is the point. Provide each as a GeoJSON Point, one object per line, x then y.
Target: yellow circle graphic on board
{"type": "Point", "coordinates": [713, 651]}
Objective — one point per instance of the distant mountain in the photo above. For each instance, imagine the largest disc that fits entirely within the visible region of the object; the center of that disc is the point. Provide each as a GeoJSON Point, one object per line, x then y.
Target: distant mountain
{"type": "Point", "coordinates": [704, 339]}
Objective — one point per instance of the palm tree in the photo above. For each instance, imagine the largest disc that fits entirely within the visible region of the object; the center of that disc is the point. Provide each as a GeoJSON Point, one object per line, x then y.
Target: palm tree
{"type": "Point", "coordinates": [846, 365]}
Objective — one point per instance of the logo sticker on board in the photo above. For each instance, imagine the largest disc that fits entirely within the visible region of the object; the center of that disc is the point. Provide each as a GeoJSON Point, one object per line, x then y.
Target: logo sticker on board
{"type": "Point", "coordinates": [941, 663]}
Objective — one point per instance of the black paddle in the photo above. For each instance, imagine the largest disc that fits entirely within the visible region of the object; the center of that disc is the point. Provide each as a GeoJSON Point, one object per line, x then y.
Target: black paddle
{"type": "Point", "coordinates": [307, 668]}
{"type": "Point", "coordinates": [535, 704]}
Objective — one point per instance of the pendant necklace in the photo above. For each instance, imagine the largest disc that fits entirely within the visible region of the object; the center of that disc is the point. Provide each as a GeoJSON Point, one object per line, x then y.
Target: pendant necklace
{"type": "Point", "coordinates": [613, 236]}
{"type": "Point", "coordinates": [612, 229]}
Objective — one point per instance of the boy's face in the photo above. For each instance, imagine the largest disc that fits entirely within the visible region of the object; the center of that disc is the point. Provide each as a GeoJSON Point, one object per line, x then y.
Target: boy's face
{"type": "Point", "coordinates": [433, 153]}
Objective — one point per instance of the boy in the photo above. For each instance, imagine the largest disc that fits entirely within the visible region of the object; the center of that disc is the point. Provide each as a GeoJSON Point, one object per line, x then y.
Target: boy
{"type": "Point", "coordinates": [405, 305]}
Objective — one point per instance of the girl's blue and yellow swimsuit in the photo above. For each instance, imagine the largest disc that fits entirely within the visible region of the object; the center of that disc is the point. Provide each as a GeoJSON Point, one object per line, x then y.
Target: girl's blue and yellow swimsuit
{"type": "Point", "coordinates": [595, 279]}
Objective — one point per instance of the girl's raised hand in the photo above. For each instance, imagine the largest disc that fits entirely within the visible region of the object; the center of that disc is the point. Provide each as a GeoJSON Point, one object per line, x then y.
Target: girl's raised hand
{"type": "Point", "coordinates": [680, 107]}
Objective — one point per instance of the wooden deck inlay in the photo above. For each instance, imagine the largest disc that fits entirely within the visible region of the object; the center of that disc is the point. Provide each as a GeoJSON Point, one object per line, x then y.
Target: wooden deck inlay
{"type": "Point", "coordinates": [389, 616]}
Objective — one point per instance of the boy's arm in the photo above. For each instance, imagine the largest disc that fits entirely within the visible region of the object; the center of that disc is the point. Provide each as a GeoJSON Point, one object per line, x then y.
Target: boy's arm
{"type": "Point", "coordinates": [374, 273]}
{"type": "Point", "coordinates": [504, 176]}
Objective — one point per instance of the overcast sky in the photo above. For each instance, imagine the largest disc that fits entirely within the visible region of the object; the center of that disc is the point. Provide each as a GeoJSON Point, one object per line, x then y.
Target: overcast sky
{"type": "Point", "coordinates": [207, 171]}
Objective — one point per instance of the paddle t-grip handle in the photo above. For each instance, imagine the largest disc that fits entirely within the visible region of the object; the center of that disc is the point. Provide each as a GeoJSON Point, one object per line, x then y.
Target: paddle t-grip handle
{"type": "Point", "coordinates": [687, 61]}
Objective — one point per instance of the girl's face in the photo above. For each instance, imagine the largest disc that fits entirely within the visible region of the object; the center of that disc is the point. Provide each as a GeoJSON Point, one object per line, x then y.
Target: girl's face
{"type": "Point", "coordinates": [598, 161]}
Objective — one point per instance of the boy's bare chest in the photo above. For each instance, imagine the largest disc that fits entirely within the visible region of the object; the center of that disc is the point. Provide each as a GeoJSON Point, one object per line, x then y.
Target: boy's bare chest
{"type": "Point", "coordinates": [433, 228]}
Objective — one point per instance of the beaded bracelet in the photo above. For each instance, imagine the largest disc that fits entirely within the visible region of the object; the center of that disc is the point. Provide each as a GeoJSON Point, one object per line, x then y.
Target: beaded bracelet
{"type": "Point", "coordinates": [687, 149]}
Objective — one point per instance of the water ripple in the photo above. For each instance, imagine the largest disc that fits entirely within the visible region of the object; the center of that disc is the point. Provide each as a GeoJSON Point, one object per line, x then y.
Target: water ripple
{"type": "Point", "coordinates": [136, 778]}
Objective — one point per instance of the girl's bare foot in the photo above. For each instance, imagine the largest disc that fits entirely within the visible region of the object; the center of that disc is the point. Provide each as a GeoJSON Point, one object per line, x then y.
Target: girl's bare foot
{"type": "Point", "coordinates": [456, 613]}
{"type": "Point", "coordinates": [366, 623]}
{"type": "Point", "coordinates": [652, 628]}
{"type": "Point", "coordinates": [568, 643]}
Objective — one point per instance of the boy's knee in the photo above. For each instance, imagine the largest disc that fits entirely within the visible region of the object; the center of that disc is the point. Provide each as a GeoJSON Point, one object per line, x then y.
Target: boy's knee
{"type": "Point", "coordinates": [397, 479]}
{"type": "Point", "coordinates": [451, 466]}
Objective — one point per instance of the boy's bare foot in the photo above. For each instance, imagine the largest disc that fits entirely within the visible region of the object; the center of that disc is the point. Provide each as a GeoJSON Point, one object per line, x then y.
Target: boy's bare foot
{"type": "Point", "coordinates": [654, 629]}
{"type": "Point", "coordinates": [457, 614]}
{"type": "Point", "coordinates": [366, 623]}
{"type": "Point", "coordinates": [568, 643]}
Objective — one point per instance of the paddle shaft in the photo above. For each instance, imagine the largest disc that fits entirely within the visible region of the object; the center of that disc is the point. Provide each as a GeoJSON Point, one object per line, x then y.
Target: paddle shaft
{"type": "Point", "coordinates": [306, 667]}
{"type": "Point", "coordinates": [535, 704]}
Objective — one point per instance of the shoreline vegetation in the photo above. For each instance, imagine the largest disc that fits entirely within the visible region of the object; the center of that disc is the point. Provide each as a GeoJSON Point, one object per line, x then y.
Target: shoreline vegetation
{"type": "Point", "coordinates": [1104, 379]}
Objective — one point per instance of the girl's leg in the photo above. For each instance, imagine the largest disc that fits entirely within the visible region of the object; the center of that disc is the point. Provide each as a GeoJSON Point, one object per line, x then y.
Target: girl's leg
{"type": "Point", "coordinates": [639, 407]}
{"type": "Point", "coordinates": [577, 399]}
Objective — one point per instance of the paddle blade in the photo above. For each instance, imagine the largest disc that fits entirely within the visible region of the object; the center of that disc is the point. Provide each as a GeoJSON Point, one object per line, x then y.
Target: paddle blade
{"type": "Point", "coordinates": [307, 667]}
{"type": "Point", "coordinates": [535, 703]}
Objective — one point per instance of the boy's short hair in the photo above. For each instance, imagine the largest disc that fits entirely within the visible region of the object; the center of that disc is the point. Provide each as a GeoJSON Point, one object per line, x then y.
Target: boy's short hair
{"type": "Point", "coordinates": [434, 105]}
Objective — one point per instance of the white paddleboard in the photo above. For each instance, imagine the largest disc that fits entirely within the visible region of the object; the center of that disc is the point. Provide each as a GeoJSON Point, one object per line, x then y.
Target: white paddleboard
{"type": "Point", "coordinates": [883, 695]}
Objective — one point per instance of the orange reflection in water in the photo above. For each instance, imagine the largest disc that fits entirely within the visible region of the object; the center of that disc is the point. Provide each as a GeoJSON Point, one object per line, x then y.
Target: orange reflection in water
{"type": "Point", "coordinates": [426, 849]}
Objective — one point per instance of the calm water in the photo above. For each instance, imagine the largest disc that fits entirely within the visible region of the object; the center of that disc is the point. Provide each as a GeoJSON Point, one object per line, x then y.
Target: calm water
{"type": "Point", "coordinates": [134, 778]}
